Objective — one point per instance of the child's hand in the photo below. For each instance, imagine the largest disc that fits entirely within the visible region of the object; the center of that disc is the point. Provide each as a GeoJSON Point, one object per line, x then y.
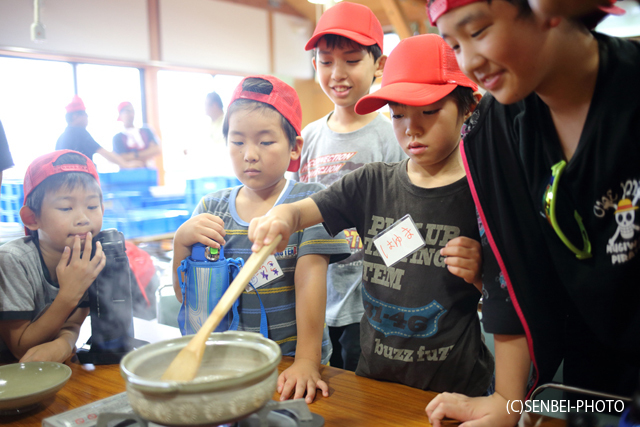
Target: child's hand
{"type": "Point", "coordinates": [264, 229]}
{"type": "Point", "coordinates": [76, 270]}
{"type": "Point", "coordinates": [57, 350]}
{"type": "Point", "coordinates": [485, 411]}
{"type": "Point", "coordinates": [205, 228]}
{"type": "Point", "coordinates": [303, 376]}
{"type": "Point", "coordinates": [464, 259]}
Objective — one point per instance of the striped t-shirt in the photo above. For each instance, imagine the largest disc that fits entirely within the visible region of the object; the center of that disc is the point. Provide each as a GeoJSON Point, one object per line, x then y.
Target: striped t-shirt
{"type": "Point", "coordinates": [278, 296]}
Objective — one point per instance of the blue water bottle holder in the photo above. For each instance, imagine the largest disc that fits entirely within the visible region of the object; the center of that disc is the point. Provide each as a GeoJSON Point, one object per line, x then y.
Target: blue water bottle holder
{"type": "Point", "coordinates": [207, 276]}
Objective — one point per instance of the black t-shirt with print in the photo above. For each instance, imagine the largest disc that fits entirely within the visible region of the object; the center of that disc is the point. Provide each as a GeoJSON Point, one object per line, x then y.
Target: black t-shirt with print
{"type": "Point", "coordinates": [420, 326]}
{"type": "Point", "coordinates": [510, 151]}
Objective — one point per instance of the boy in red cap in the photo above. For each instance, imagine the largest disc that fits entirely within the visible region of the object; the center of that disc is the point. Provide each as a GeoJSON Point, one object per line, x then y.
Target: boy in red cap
{"type": "Point", "coordinates": [45, 275]}
{"type": "Point", "coordinates": [262, 129]}
{"type": "Point", "coordinates": [75, 137]}
{"type": "Point", "coordinates": [347, 45]}
{"type": "Point", "coordinates": [135, 143]}
{"type": "Point", "coordinates": [421, 326]}
{"type": "Point", "coordinates": [551, 154]}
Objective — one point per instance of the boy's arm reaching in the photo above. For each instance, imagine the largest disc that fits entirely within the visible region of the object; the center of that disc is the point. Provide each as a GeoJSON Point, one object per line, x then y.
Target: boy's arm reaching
{"type": "Point", "coordinates": [204, 228]}
{"type": "Point", "coordinates": [464, 259]}
{"type": "Point", "coordinates": [284, 220]}
{"type": "Point", "coordinates": [311, 301]}
{"type": "Point", "coordinates": [512, 372]}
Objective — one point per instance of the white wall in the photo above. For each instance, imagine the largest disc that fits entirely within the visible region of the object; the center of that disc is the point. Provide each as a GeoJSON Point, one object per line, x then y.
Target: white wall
{"type": "Point", "coordinates": [214, 34]}
{"type": "Point", "coordinates": [208, 34]}
{"type": "Point", "coordinates": [113, 29]}
{"type": "Point", "coordinates": [290, 35]}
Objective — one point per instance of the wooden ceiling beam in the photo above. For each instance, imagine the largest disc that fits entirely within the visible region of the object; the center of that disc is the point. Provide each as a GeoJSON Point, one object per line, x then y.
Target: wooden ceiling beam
{"type": "Point", "coordinates": [396, 17]}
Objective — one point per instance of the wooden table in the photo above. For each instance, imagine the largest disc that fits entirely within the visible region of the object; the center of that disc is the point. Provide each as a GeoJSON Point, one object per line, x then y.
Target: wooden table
{"type": "Point", "coordinates": [353, 401]}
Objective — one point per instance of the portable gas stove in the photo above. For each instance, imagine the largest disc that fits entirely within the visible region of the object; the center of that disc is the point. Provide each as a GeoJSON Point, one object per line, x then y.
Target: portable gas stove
{"type": "Point", "coordinates": [115, 411]}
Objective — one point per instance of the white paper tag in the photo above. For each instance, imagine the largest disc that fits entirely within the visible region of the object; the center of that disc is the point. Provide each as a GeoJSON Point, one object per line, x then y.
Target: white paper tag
{"type": "Point", "coordinates": [267, 273]}
{"type": "Point", "coordinates": [398, 241]}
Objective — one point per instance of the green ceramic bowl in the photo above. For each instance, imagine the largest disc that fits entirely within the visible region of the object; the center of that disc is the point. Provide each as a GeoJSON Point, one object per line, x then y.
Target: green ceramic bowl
{"type": "Point", "coordinates": [23, 385]}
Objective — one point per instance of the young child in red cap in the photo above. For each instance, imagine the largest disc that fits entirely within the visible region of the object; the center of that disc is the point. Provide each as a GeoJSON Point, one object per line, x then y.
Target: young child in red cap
{"type": "Point", "coordinates": [76, 137]}
{"type": "Point", "coordinates": [134, 143]}
{"type": "Point", "coordinates": [347, 43]}
{"type": "Point", "coordinates": [45, 275]}
{"type": "Point", "coordinates": [421, 327]}
{"type": "Point", "coordinates": [262, 129]}
{"type": "Point", "coordinates": [552, 156]}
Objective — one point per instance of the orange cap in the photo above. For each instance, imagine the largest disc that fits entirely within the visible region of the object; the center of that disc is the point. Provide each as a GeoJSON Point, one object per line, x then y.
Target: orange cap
{"type": "Point", "coordinates": [419, 71]}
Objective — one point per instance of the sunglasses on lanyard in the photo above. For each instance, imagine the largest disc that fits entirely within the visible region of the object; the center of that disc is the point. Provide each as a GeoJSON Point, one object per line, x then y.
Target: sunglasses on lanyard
{"type": "Point", "coordinates": [549, 206]}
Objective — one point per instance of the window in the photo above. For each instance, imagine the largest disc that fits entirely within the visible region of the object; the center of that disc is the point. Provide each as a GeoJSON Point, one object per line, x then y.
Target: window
{"type": "Point", "coordinates": [184, 123]}
{"type": "Point", "coordinates": [33, 94]}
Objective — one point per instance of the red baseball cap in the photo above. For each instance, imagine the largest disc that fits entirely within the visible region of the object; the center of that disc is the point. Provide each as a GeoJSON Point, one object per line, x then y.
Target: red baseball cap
{"type": "Point", "coordinates": [76, 104]}
{"type": "Point", "coordinates": [351, 20]}
{"type": "Point", "coordinates": [43, 167]}
{"type": "Point", "coordinates": [282, 97]}
{"type": "Point", "coordinates": [124, 104]}
{"type": "Point", "coordinates": [437, 8]}
{"type": "Point", "coordinates": [419, 71]}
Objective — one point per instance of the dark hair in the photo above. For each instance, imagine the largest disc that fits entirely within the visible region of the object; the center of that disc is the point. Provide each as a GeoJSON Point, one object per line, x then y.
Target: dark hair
{"type": "Point", "coordinates": [69, 117]}
{"type": "Point", "coordinates": [463, 96]}
{"type": "Point", "coordinates": [257, 85]}
{"type": "Point", "coordinates": [334, 40]}
{"type": "Point", "coordinates": [522, 5]}
{"type": "Point", "coordinates": [214, 98]}
{"type": "Point", "coordinates": [66, 180]}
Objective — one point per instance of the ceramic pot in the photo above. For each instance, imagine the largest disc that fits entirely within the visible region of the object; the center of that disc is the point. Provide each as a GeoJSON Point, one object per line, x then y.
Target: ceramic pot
{"type": "Point", "coordinates": [237, 377]}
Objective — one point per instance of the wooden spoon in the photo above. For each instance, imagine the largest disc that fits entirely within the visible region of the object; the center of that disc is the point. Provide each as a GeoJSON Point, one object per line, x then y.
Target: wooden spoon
{"type": "Point", "coordinates": [186, 364]}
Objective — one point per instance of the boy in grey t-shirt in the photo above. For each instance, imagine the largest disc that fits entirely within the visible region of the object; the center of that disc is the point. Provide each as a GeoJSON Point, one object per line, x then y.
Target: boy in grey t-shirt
{"type": "Point", "coordinates": [45, 275]}
{"type": "Point", "coordinates": [348, 57]}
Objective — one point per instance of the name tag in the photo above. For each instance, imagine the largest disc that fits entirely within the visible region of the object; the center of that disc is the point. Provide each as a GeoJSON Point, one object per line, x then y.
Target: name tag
{"type": "Point", "coordinates": [399, 240]}
{"type": "Point", "coordinates": [267, 273]}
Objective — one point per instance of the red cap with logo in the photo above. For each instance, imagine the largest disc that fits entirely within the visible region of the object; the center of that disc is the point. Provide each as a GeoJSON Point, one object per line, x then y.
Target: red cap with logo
{"type": "Point", "coordinates": [437, 8]}
{"type": "Point", "coordinates": [351, 20]}
{"type": "Point", "coordinates": [282, 97]}
{"type": "Point", "coordinates": [76, 104]}
{"type": "Point", "coordinates": [43, 167]}
{"type": "Point", "coordinates": [417, 79]}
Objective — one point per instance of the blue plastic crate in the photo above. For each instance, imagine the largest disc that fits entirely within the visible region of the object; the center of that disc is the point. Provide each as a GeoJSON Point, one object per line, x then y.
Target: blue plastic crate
{"type": "Point", "coordinates": [233, 182]}
{"type": "Point", "coordinates": [207, 185]}
{"type": "Point", "coordinates": [119, 202]}
{"type": "Point", "coordinates": [147, 222]}
{"type": "Point", "coordinates": [12, 188]}
{"type": "Point", "coordinates": [166, 202]}
{"type": "Point", "coordinates": [10, 204]}
{"type": "Point", "coordinates": [10, 216]}
{"type": "Point", "coordinates": [130, 176]}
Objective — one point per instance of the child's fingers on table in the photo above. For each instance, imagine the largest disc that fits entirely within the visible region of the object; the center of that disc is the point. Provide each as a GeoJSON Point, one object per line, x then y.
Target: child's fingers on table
{"type": "Point", "coordinates": [324, 387]}
{"type": "Point", "coordinates": [310, 390]}
{"type": "Point", "coordinates": [287, 389]}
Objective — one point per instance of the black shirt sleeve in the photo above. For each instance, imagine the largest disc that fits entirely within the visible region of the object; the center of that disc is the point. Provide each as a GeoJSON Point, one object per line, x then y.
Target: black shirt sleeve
{"type": "Point", "coordinates": [498, 314]}
{"type": "Point", "coordinates": [341, 205]}
{"type": "Point", "coordinates": [6, 161]}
